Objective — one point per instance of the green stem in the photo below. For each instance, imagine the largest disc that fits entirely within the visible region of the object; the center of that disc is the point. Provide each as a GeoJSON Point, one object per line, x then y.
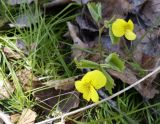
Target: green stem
{"type": "Point", "coordinates": [99, 41]}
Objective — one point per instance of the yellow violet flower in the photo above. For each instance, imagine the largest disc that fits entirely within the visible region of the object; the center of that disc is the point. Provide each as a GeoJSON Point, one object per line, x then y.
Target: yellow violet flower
{"type": "Point", "coordinates": [120, 27]}
{"type": "Point", "coordinates": [91, 82]}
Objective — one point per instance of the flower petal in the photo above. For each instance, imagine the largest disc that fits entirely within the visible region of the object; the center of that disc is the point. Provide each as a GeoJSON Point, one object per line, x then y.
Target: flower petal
{"type": "Point", "coordinates": [96, 78]}
{"type": "Point", "coordinates": [87, 77]}
{"type": "Point", "coordinates": [130, 35]}
{"type": "Point", "coordinates": [130, 25]}
{"type": "Point", "coordinates": [81, 86]}
{"type": "Point", "coordinates": [118, 27]}
{"type": "Point", "coordinates": [87, 96]}
{"type": "Point", "coordinates": [93, 95]}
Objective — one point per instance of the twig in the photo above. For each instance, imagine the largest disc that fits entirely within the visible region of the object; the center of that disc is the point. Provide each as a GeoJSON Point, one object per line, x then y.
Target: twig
{"type": "Point", "coordinates": [102, 101]}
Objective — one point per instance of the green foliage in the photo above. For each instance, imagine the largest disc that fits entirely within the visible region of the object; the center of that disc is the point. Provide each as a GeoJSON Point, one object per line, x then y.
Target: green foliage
{"type": "Point", "coordinates": [86, 64]}
{"type": "Point", "coordinates": [110, 82]}
{"type": "Point", "coordinates": [95, 10]}
{"type": "Point", "coordinates": [129, 109]}
{"type": "Point", "coordinates": [112, 61]}
{"type": "Point", "coordinates": [141, 72]}
{"type": "Point", "coordinates": [42, 40]}
{"type": "Point", "coordinates": [115, 62]}
{"type": "Point", "coordinates": [108, 24]}
{"type": "Point", "coordinates": [114, 39]}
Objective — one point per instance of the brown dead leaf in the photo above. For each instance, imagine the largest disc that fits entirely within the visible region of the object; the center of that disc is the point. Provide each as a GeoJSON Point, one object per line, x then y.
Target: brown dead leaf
{"type": "Point", "coordinates": [64, 100]}
{"type": "Point", "coordinates": [10, 54]}
{"type": "Point", "coordinates": [112, 8]}
{"type": "Point", "coordinates": [5, 88]}
{"type": "Point", "coordinates": [27, 79]}
{"type": "Point", "coordinates": [14, 118]}
{"type": "Point", "coordinates": [146, 88]}
{"type": "Point", "coordinates": [59, 94]}
{"type": "Point", "coordinates": [78, 44]}
{"type": "Point", "coordinates": [22, 46]}
{"type": "Point", "coordinates": [55, 3]}
{"type": "Point", "coordinates": [146, 53]}
{"type": "Point", "coordinates": [147, 50]}
{"type": "Point", "coordinates": [85, 23]}
{"type": "Point", "coordinates": [127, 76]}
{"type": "Point", "coordinates": [17, 2]}
{"type": "Point", "coordinates": [71, 102]}
{"type": "Point", "coordinates": [136, 5]}
{"type": "Point", "coordinates": [64, 84]}
{"type": "Point", "coordinates": [27, 117]}
{"type": "Point", "coordinates": [151, 12]}
{"type": "Point", "coordinates": [152, 47]}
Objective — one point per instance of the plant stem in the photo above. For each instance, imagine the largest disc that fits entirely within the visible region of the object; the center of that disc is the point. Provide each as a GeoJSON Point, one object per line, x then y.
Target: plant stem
{"type": "Point", "coordinates": [99, 40]}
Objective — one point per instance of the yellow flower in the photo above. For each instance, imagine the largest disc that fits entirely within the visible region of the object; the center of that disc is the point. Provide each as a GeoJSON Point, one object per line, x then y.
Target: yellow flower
{"type": "Point", "coordinates": [91, 82]}
{"type": "Point", "coordinates": [120, 27]}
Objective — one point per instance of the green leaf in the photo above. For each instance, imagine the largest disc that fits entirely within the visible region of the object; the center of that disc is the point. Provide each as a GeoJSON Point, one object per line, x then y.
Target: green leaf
{"type": "Point", "coordinates": [108, 23]}
{"type": "Point", "coordinates": [95, 10]}
{"type": "Point", "coordinates": [115, 62]}
{"type": "Point", "coordinates": [87, 64]}
{"type": "Point", "coordinates": [114, 39]}
{"type": "Point", "coordinates": [141, 72]}
{"type": "Point", "coordinates": [110, 82]}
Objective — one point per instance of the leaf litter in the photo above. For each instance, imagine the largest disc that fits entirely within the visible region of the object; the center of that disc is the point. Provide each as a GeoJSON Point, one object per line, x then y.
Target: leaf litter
{"type": "Point", "coordinates": [84, 33]}
{"type": "Point", "coordinates": [147, 61]}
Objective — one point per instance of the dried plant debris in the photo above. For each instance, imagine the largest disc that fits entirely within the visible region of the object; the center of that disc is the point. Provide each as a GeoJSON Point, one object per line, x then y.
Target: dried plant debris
{"type": "Point", "coordinates": [146, 88]}
{"type": "Point", "coordinates": [27, 79]}
{"type": "Point", "coordinates": [24, 20]}
{"type": "Point", "coordinates": [17, 2]}
{"type": "Point", "coordinates": [152, 48]}
{"type": "Point", "coordinates": [22, 46]}
{"type": "Point", "coordinates": [136, 5]}
{"type": "Point", "coordinates": [14, 118]}
{"type": "Point", "coordinates": [146, 51]}
{"type": "Point", "coordinates": [151, 12]}
{"type": "Point", "coordinates": [27, 117]}
{"type": "Point", "coordinates": [117, 8]}
{"type": "Point", "coordinates": [50, 99]}
{"type": "Point", "coordinates": [11, 54]}
{"type": "Point", "coordinates": [145, 48]}
{"type": "Point", "coordinates": [55, 3]}
{"type": "Point", "coordinates": [84, 22]}
{"type": "Point", "coordinates": [79, 45]}
{"type": "Point", "coordinates": [146, 54]}
{"type": "Point", "coordinates": [63, 84]}
{"type": "Point", "coordinates": [72, 102]}
{"type": "Point", "coordinates": [16, 50]}
{"type": "Point", "coordinates": [61, 96]}
{"type": "Point", "coordinates": [58, 94]}
{"type": "Point", "coordinates": [5, 88]}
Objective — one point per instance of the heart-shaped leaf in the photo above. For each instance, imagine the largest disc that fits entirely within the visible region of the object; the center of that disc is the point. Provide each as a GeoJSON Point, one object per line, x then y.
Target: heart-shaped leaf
{"type": "Point", "coordinates": [95, 10]}
{"type": "Point", "coordinates": [114, 62]}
